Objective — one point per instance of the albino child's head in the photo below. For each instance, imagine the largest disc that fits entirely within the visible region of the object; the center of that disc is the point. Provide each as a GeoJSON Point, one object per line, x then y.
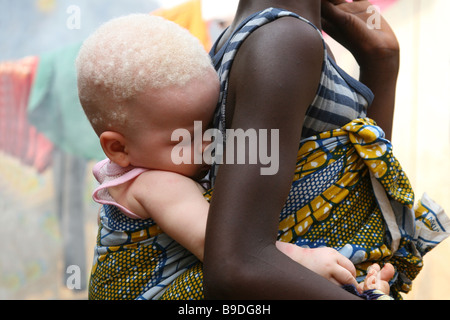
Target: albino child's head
{"type": "Point", "coordinates": [140, 77]}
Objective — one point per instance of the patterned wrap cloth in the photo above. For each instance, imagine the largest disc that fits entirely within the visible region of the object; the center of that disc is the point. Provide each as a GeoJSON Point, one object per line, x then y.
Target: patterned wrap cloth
{"type": "Point", "coordinates": [349, 192]}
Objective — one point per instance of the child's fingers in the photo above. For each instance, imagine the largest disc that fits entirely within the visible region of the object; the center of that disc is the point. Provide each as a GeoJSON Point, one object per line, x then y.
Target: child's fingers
{"type": "Point", "coordinates": [346, 264]}
{"type": "Point", "coordinates": [387, 272]}
{"type": "Point", "coordinates": [370, 282]}
{"type": "Point", "coordinates": [345, 272]}
{"type": "Point", "coordinates": [342, 276]}
{"type": "Point", "coordinates": [373, 268]}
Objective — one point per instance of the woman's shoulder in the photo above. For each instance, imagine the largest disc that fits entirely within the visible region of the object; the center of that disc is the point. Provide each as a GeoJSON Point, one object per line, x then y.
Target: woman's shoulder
{"type": "Point", "coordinates": [287, 46]}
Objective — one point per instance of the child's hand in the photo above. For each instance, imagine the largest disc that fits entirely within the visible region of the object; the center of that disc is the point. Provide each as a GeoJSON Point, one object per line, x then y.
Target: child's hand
{"type": "Point", "coordinates": [326, 262]}
{"type": "Point", "coordinates": [377, 278]}
{"type": "Point", "coordinates": [352, 25]}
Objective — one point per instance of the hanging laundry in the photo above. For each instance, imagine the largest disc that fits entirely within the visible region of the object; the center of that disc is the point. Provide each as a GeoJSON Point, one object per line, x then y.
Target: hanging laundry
{"type": "Point", "coordinates": [54, 107]}
{"type": "Point", "coordinates": [18, 137]}
{"type": "Point", "coordinates": [189, 16]}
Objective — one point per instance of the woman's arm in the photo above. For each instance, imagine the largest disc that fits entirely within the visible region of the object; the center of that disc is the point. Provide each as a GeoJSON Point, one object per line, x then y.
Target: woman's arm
{"type": "Point", "coordinates": [274, 79]}
{"type": "Point", "coordinates": [375, 48]}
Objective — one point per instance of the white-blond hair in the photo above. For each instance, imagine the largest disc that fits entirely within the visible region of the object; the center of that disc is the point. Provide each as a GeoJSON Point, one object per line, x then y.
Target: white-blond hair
{"type": "Point", "coordinates": [133, 53]}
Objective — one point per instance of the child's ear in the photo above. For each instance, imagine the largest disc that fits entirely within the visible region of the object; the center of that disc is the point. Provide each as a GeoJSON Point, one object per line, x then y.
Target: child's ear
{"type": "Point", "coordinates": [114, 146]}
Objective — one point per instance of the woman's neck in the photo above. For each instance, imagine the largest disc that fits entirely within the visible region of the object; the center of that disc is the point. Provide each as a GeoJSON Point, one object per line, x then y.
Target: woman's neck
{"type": "Point", "coordinates": [308, 9]}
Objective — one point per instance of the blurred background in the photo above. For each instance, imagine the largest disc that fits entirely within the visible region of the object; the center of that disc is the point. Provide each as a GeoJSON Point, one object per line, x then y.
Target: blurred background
{"type": "Point", "coordinates": [47, 148]}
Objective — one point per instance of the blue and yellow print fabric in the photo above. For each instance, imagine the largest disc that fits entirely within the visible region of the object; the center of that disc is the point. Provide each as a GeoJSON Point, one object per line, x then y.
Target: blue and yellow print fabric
{"type": "Point", "coordinates": [134, 259]}
{"type": "Point", "coordinates": [332, 203]}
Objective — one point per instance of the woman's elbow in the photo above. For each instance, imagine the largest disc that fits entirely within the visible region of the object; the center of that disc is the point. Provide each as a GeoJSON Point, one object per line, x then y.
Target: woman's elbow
{"type": "Point", "coordinates": [223, 279]}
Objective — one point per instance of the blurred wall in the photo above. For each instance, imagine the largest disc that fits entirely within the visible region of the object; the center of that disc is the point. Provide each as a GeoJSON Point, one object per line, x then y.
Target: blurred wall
{"type": "Point", "coordinates": [422, 120]}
